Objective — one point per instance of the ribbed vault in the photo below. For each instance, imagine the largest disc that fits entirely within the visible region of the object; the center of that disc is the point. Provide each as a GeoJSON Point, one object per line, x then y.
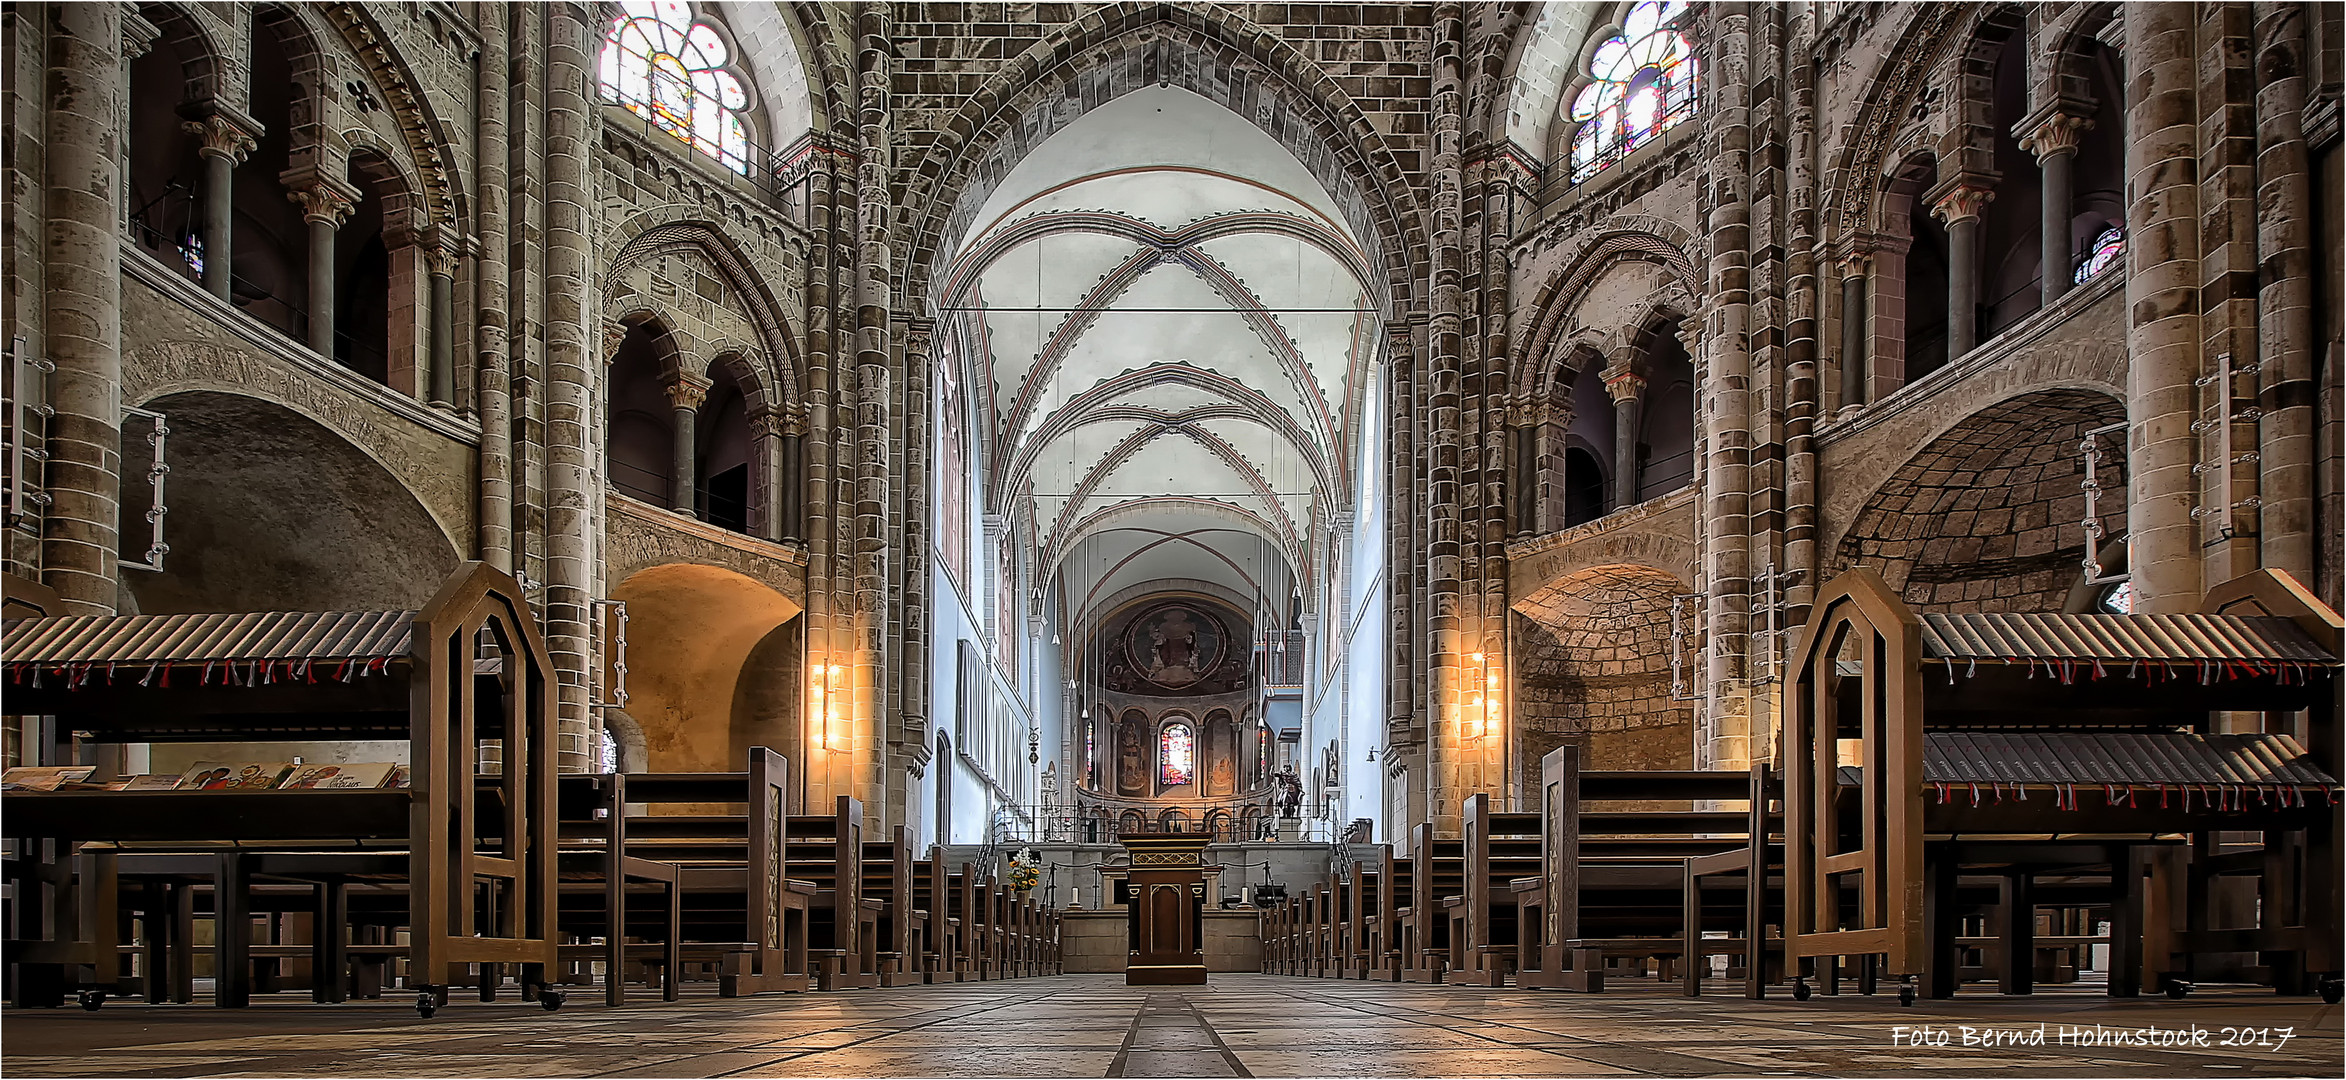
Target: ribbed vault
{"type": "Point", "coordinates": [1169, 335]}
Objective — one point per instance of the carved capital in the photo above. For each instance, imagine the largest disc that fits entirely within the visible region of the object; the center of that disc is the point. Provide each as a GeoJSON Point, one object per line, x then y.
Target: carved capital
{"type": "Point", "coordinates": [769, 425]}
{"type": "Point", "coordinates": [2057, 133]}
{"type": "Point", "coordinates": [440, 260]}
{"type": "Point", "coordinates": [323, 202]}
{"type": "Point", "coordinates": [225, 133]}
{"type": "Point", "coordinates": [1962, 202]}
{"type": "Point", "coordinates": [614, 335]}
{"type": "Point", "coordinates": [1624, 385]}
{"type": "Point", "coordinates": [688, 391]}
{"type": "Point", "coordinates": [1532, 410]}
{"type": "Point", "coordinates": [138, 35]}
{"type": "Point", "coordinates": [1856, 264]}
{"type": "Point", "coordinates": [794, 422]}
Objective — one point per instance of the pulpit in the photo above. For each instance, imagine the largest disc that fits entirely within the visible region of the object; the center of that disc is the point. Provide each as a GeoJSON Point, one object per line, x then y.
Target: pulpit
{"type": "Point", "coordinates": [1166, 899]}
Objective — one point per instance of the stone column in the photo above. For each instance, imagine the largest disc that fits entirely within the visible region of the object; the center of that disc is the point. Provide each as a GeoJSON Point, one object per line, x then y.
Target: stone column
{"type": "Point", "coordinates": [1446, 625]}
{"type": "Point", "coordinates": [492, 315]}
{"type": "Point", "coordinates": [574, 372]}
{"type": "Point", "coordinates": [790, 506]}
{"type": "Point", "coordinates": [325, 205]}
{"type": "Point", "coordinates": [685, 395]}
{"type": "Point", "coordinates": [1959, 206]}
{"type": "Point", "coordinates": [1854, 331]}
{"type": "Point", "coordinates": [769, 452]}
{"type": "Point", "coordinates": [228, 136]}
{"type": "Point", "coordinates": [2052, 137]}
{"type": "Point", "coordinates": [1548, 419]}
{"type": "Point", "coordinates": [2286, 336]}
{"type": "Point", "coordinates": [1626, 387]}
{"type": "Point", "coordinates": [1721, 348]}
{"type": "Point", "coordinates": [82, 302]}
{"type": "Point", "coordinates": [440, 258]}
{"type": "Point", "coordinates": [2162, 306]}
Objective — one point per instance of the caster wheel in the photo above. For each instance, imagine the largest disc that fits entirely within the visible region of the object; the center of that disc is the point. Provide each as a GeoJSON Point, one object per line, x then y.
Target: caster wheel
{"type": "Point", "coordinates": [2333, 990]}
{"type": "Point", "coordinates": [1906, 996]}
{"type": "Point", "coordinates": [2177, 988]}
{"type": "Point", "coordinates": [426, 1004]}
{"type": "Point", "coordinates": [1801, 992]}
{"type": "Point", "coordinates": [91, 999]}
{"type": "Point", "coordinates": [550, 1000]}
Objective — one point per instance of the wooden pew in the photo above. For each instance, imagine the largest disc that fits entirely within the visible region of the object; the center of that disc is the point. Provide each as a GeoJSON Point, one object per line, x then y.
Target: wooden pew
{"type": "Point", "coordinates": [888, 878]}
{"type": "Point", "coordinates": [1615, 880]}
{"type": "Point", "coordinates": [942, 958]}
{"type": "Point", "coordinates": [826, 851]}
{"type": "Point", "coordinates": [1499, 847]}
{"type": "Point", "coordinates": [741, 908]}
{"type": "Point", "coordinates": [1356, 958]}
{"type": "Point", "coordinates": [1396, 880]}
{"type": "Point", "coordinates": [1438, 869]}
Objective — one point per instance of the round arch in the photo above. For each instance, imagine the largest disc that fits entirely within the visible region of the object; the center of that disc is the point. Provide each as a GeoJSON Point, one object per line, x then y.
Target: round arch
{"type": "Point", "coordinates": [271, 510]}
{"type": "Point", "coordinates": [712, 668]}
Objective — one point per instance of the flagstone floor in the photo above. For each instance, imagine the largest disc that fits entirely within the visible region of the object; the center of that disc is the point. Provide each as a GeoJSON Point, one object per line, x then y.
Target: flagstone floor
{"type": "Point", "coordinates": [1240, 1025]}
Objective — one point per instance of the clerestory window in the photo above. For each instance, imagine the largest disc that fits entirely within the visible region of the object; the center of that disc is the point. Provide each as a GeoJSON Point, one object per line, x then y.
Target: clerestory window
{"type": "Point", "coordinates": [670, 67]}
{"type": "Point", "coordinates": [1642, 83]}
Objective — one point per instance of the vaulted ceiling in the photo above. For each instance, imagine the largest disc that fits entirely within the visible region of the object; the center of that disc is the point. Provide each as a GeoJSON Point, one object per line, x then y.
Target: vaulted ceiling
{"type": "Point", "coordinates": [1169, 337]}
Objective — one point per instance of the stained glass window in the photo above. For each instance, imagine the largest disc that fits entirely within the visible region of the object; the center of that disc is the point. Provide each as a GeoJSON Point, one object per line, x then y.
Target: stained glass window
{"type": "Point", "coordinates": [1176, 755]}
{"type": "Point", "coordinates": [668, 67]}
{"type": "Point", "coordinates": [1642, 83]}
{"type": "Point", "coordinates": [2106, 249]}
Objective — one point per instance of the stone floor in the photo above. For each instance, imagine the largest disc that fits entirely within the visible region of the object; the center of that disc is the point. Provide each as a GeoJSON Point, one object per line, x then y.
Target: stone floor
{"type": "Point", "coordinates": [1241, 1025]}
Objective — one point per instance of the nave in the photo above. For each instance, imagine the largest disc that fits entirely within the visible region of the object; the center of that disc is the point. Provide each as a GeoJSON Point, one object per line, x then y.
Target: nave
{"type": "Point", "coordinates": [1237, 1025]}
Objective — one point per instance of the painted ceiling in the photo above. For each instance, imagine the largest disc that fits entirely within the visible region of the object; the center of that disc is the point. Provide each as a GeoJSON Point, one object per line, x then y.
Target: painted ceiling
{"type": "Point", "coordinates": [1170, 339]}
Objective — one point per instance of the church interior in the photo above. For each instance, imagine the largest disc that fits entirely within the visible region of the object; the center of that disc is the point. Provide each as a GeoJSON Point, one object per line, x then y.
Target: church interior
{"type": "Point", "coordinates": [696, 537]}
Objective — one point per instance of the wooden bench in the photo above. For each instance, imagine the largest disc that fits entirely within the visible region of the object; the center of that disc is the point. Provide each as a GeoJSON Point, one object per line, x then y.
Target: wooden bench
{"type": "Point", "coordinates": [1499, 847]}
{"type": "Point", "coordinates": [1437, 870]}
{"type": "Point", "coordinates": [942, 957]}
{"type": "Point", "coordinates": [888, 878]}
{"type": "Point", "coordinates": [843, 926]}
{"type": "Point", "coordinates": [740, 909]}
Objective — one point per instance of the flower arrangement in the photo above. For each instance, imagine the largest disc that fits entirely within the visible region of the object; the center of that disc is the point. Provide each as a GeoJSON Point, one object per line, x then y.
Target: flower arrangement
{"type": "Point", "coordinates": [1023, 876]}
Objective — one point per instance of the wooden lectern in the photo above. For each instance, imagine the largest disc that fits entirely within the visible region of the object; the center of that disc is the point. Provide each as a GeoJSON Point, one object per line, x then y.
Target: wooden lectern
{"type": "Point", "coordinates": [1166, 908]}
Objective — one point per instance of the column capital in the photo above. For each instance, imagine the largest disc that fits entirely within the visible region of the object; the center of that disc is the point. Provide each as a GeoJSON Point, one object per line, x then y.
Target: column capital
{"type": "Point", "coordinates": [687, 391]}
{"type": "Point", "coordinates": [1624, 384]}
{"type": "Point", "coordinates": [1961, 200]}
{"type": "Point", "coordinates": [2057, 133]}
{"type": "Point", "coordinates": [226, 132]}
{"type": "Point", "coordinates": [138, 35]}
{"type": "Point", "coordinates": [614, 335]}
{"type": "Point", "coordinates": [772, 424]}
{"type": "Point", "coordinates": [1855, 264]}
{"type": "Point", "coordinates": [323, 200]}
{"type": "Point", "coordinates": [1535, 410]}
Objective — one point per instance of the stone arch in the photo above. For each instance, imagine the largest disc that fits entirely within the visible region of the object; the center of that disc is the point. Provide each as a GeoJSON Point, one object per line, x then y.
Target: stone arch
{"type": "Point", "coordinates": [830, 78]}
{"type": "Point", "coordinates": [1542, 64]}
{"type": "Point", "coordinates": [186, 40]}
{"type": "Point", "coordinates": [440, 192]}
{"type": "Point", "coordinates": [673, 229]}
{"type": "Point", "coordinates": [1985, 517]}
{"type": "Point", "coordinates": [1593, 667]}
{"type": "Point", "coordinates": [628, 737]}
{"type": "Point", "coordinates": [710, 670]}
{"type": "Point", "coordinates": [1883, 120]}
{"type": "Point", "coordinates": [163, 172]}
{"type": "Point", "coordinates": [1205, 50]}
{"type": "Point", "coordinates": [639, 427]}
{"type": "Point", "coordinates": [1639, 238]}
{"type": "Point", "coordinates": [273, 509]}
